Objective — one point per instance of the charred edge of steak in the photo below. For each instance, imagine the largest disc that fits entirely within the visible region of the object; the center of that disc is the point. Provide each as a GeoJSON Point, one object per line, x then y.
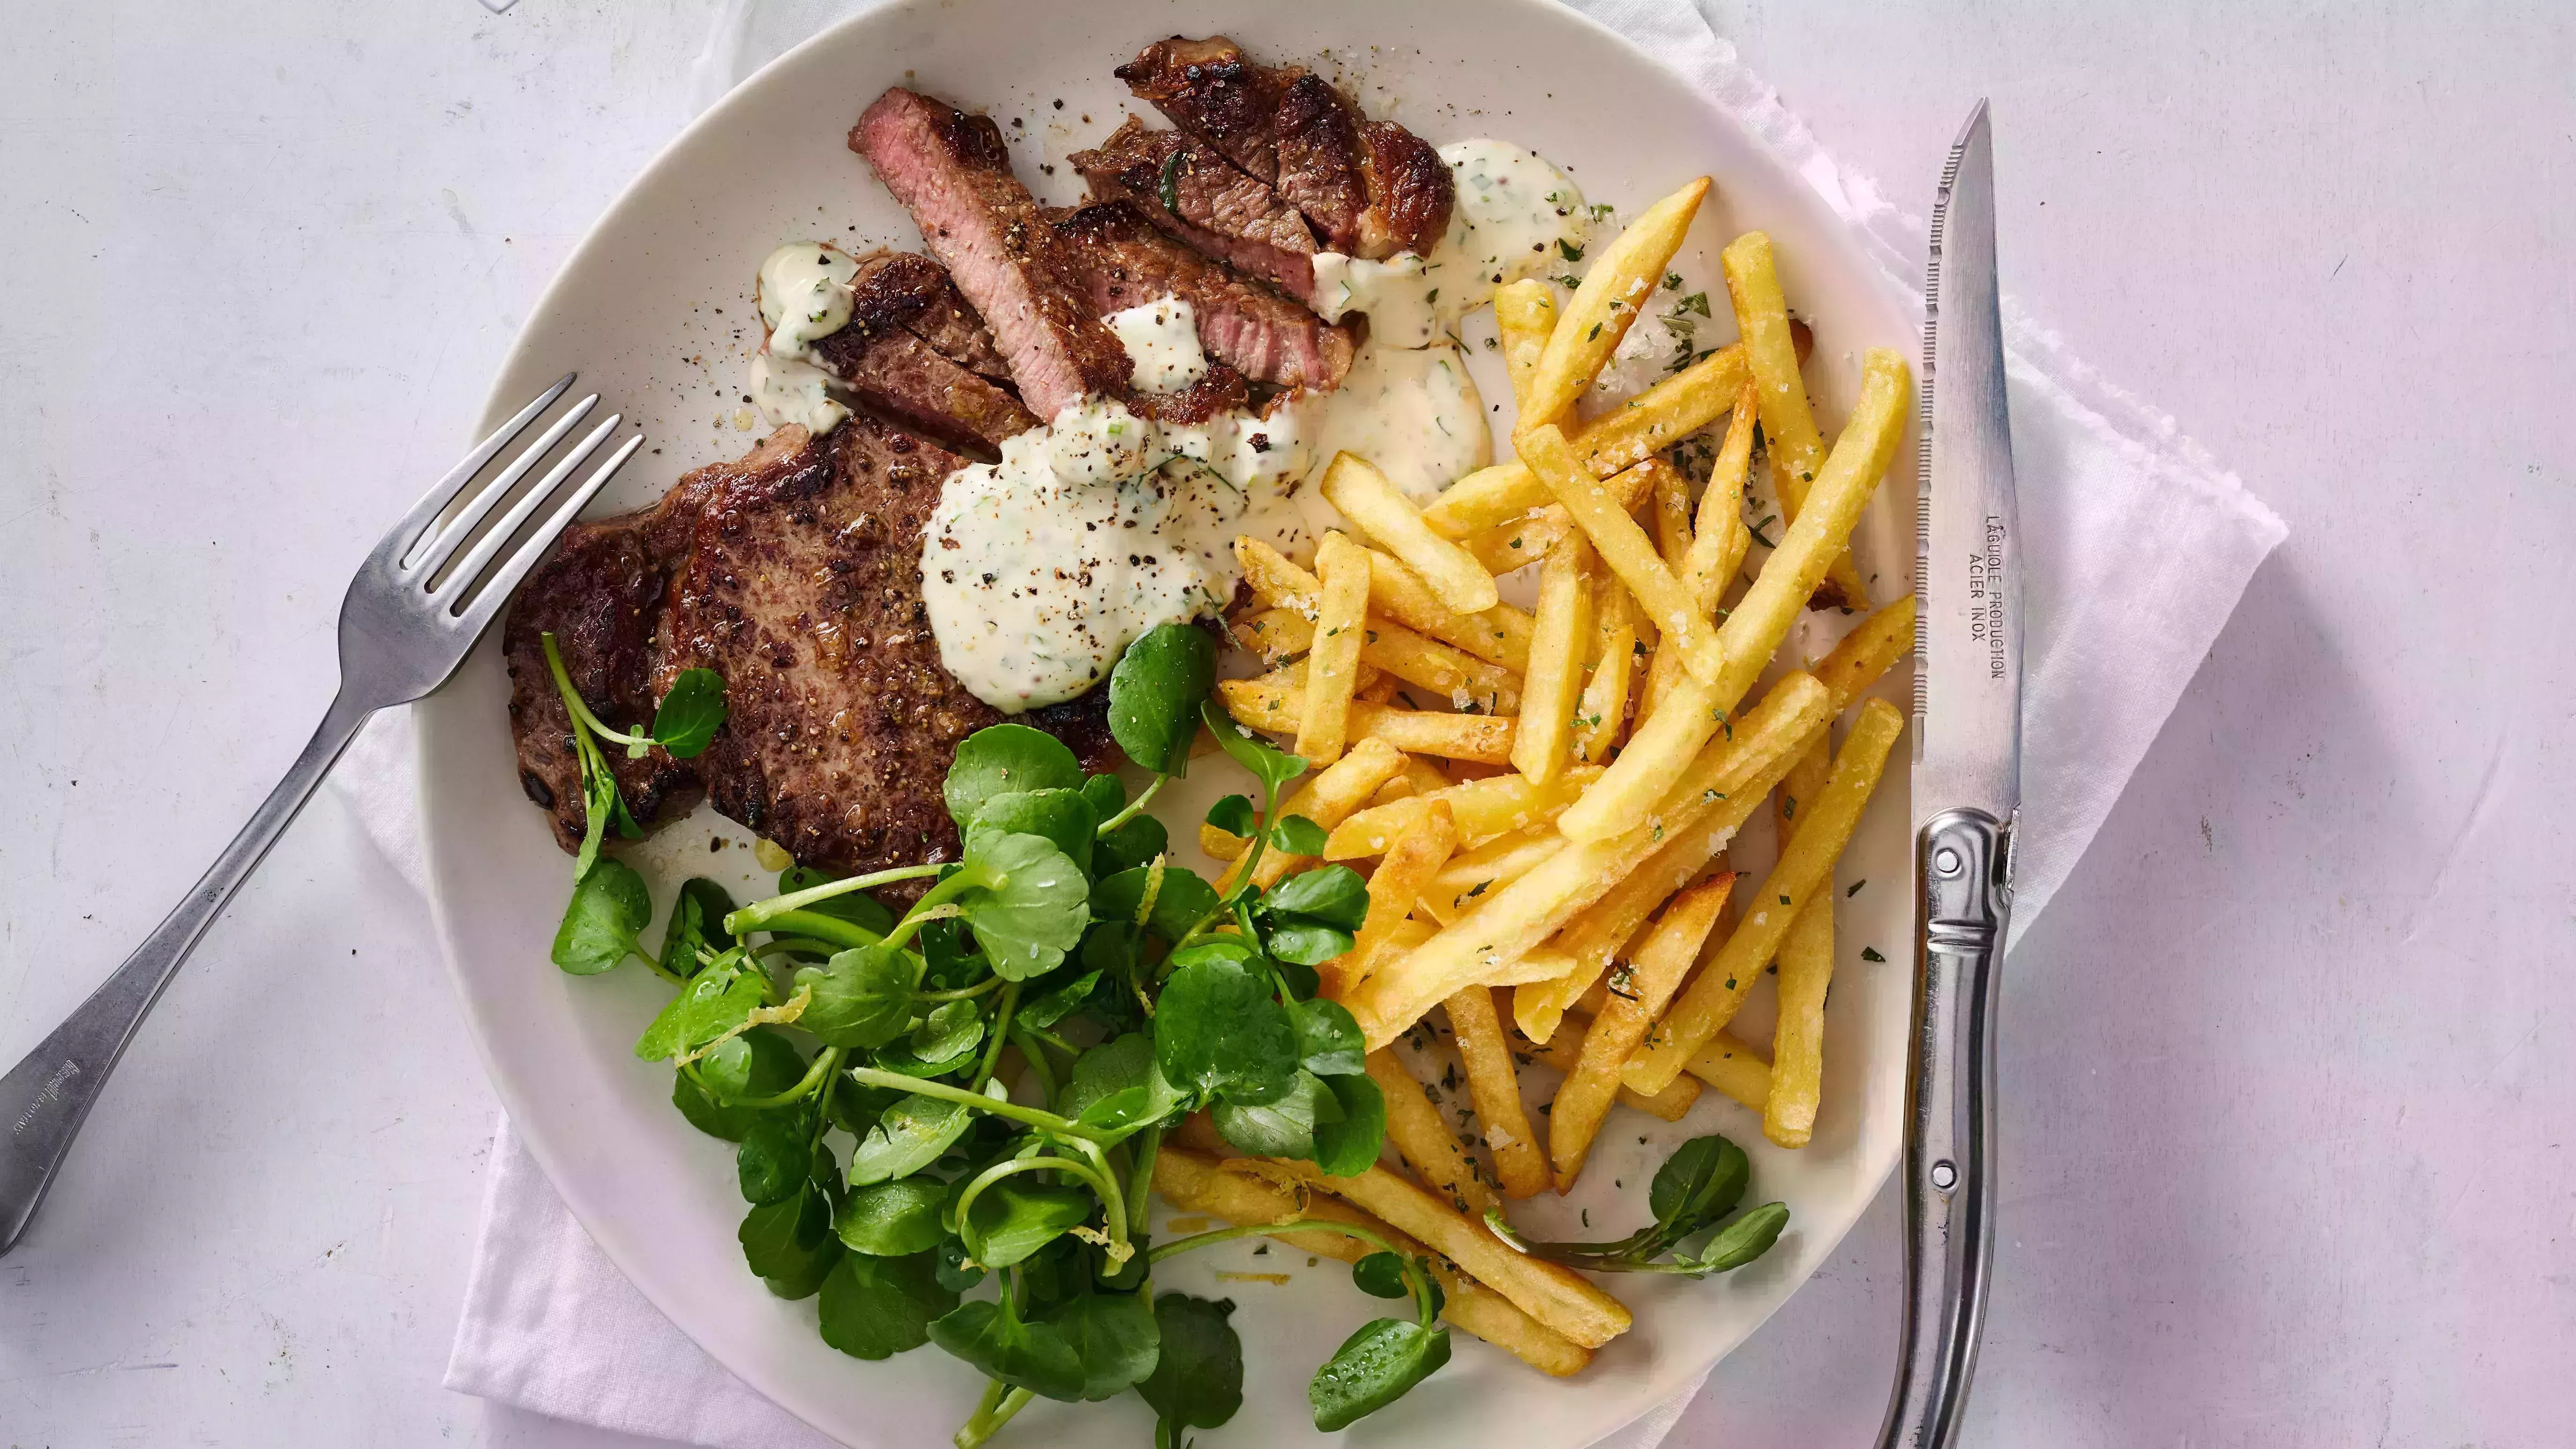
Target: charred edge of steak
{"type": "Point", "coordinates": [1411, 191]}
{"type": "Point", "coordinates": [905, 290]}
{"type": "Point", "coordinates": [1218, 389]}
{"type": "Point", "coordinates": [1206, 87]}
{"type": "Point", "coordinates": [1124, 261]}
{"type": "Point", "coordinates": [896, 374]}
{"type": "Point", "coordinates": [952, 172]}
{"type": "Point", "coordinates": [1223, 211]}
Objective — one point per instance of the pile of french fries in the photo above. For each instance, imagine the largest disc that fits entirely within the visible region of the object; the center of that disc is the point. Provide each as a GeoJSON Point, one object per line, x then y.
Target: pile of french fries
{"type": "Point", "coordinates": [1542, 800]}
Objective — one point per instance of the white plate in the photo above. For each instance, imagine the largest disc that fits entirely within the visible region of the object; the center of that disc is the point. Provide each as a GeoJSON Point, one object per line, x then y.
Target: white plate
{"type": "Point", "coordinates": [651, 309]}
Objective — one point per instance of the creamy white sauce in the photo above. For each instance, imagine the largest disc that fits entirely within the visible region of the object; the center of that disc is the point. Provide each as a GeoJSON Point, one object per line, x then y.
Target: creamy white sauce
{"type": "Point", "coordinates": [1162, 341]}
{"type": "Point", "coordinates": [792, 390]}
{"type": "Point", "coordinates": [1516, 216]}
{"type": "Point", "coordinates": [1414, 412]}
{"type": "Point", "coordinates": [805, 294]}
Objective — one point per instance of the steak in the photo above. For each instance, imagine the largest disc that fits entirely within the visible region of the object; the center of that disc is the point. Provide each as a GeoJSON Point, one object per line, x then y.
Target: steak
{"type": "Point", "coordinates": [905, 289]}
{"type": "Point", "coordinates": [1223, 211]}
{"type": "Point", "coordinates": [795, 574]}
{"type": "Point", "coordinates": [953, 173]}
{"type": "Point", "coordinates": [1123, 261]}
{"type": "Point", "coordinates": [902, 376]}
{"type": "Point", "coordinates": [1370, 188]}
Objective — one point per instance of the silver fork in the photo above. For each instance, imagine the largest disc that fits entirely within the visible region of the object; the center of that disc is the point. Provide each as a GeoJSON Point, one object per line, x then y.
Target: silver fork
{"type": "Point", "coordinates": [411, 615]}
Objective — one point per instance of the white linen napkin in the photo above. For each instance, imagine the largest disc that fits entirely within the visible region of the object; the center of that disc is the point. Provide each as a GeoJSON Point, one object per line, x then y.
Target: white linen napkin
{"type": "Point", "coordinates": [2138, 547]}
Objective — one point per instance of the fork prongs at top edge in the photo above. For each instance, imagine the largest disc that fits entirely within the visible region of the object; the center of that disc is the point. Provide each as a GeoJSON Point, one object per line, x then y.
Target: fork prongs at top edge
{"type": "Point", "coordinates": [473, 613]}
{"type": "Point", "coordinates": [403, 537]}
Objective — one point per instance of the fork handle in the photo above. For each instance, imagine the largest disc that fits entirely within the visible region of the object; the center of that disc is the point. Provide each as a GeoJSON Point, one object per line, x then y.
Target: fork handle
{"type": "Point", "coordinates": [1963, 897]}
{"type": "Point", "coordinates": [44, 1098]}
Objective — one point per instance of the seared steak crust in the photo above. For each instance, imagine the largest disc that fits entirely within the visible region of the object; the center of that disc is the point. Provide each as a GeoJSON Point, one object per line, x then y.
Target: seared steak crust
{"type": "Point", "coordinates": [804, 591]}
{"type": "Point", "coordinates": [953, 173]}
{"type": "Point", "coordinates": [896, 373]}
{"type": "Point", "coordinates": [1122, 261]}
{"type": "Point", "coordinates": [907, 290]}
{"type": "Point", "coordinates": [1363, 185]}
{"type": "Point", "coordinates": [1223, 211]}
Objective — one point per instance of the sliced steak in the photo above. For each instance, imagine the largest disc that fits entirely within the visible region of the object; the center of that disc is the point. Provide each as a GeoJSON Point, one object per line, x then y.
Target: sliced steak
{"type": "Point", "coordinates": [952, 171]}
{"type": "Point", "coordinates": [1222, 210]}
{"type": "Point", "coordinates": [897, 373]}
{"type": "Point", "coordinates": [1123, 261]}
{"type": "Point", "coordinates": [603, 593]}
{"type": "Point", "coordinates": [803, 589]}
{"type": "Point", "coordinates": [1370, 188]}
{"type": "Point", "coordinates": [904, 289]}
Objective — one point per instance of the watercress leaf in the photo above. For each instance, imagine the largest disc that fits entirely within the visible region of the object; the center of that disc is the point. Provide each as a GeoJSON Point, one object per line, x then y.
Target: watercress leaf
{"type": "Point", "coordinates": [1214, 948]}
{"type": "Point", "coordinates": [1298, 835]}
{"type": "Point", "coordinates": [1301, 978]}
{"type": "Point", "coordinates": [1059, 1000]}
{"type": "Point", "coordinates": [1116, 1085]}
{"type": "Point", "coordinates": [1107, 794]}
{"type": "Point", "coordinates": [876, 1307]}
{"type": "Point", "coordinates": [1381, 1275]}
{"type": "Point", "coordinates": [610, 906]}
{"type": "Point", "coordinates": [1061, 817]}
{"type": "Point", "coordinates": [956, 1274]}
{"type": "Point", "coordinates": [1033, 908]}
{"type": "Point", "coordinates": [1115, 1336]}
{"type": "Point", "coordinates": [1347, 1146]}
{"type": "Point", "coordinates": [992, 1339]}
{"type": "Point", "coordinates": [1273, 768]}
{"type": "Point", "coordinates": [1331, 895]}
{"type": "Point", "coordinates": [1218, 1031]}
{"type": "Point", "coordinates": [1329, 1042]}
{"type": "Point", "coordinates": [911, 1135]}
{"type": "Point", "coordinates": [790, 1243]}
{"type": "Point", "coordinates": [1133, 844]}
{"type": "Point", "coordinates": [862, 997]}
{"type": "Point", "coordinates": [1372, 1369]}
{"type": "Point", "coordinates": [1004, 758]}
{"type": "Point", "coordinates": [1282, 1127]}
{"type": "Point", "coordinates": [773, 1162]}
{"type": "Point", "coordinates": [725, 1069]}
{"type": "Point", "coordinates": [1745, 1239]}
{"type": "Point", "coordinates": [1197, 1382]}
{"type": "Point", "coordinates": [1701, 1182]}
{"type": "Point", "coordinates": [696, 924]}
{"type": "Point", "coordinates": [1179, 903]}
{"type": "Point", "coordinates": [855, 1108]}
{"type": "Point", "coordinates": [1155, 691]}
{"type": "Point", "coordinates": [691, 713]}
{"type": "Point", "coordinates": [953, 963]}
{"type": "Point", "coordinates": [1014, 1218]}
{"type": "Point", "coordinates": [857, 907]}
{"type": "Point", "coordinates": [705, 1008]}
{"type": "Point", "coordinates": [951, 1029]}
{"type": "Point", "coordinates": [1235, 815]}
{"type": "Point", "coordinates": [1305, 941]}
{"type": "Point", "coordinates": [892, 1219]}
{"type": "Point", "coordinates": [825, 1173]}
{"type": "Point", "coordinates": [776, 1065]}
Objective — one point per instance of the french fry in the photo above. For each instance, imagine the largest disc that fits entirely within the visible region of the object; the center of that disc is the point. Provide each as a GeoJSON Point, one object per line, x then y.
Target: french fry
{"type": "Point", "coordinates": [1386, 689]}
{"type": "Point", "coordinates": [1718, 541]}
{"type": "Point", "coordinates": [1717, 793]}
{"type": "Point", "coordinates": [1789, 433]}
{"type": "Point", "coordinates": [1413, 858]}
{"type": "Point", "coordinates": [1516, 543]}
{"type": "Point", "coordinates": [1333, 657]}
{"type": "Point", "coordinates": [1806, 969]}
{"type": "Point", "coordinates": [1626, 549]}
{"type": "Point", "coordinates": [1449, 672]}
{"type": "Point", "coordinates": [1519, 1162]}
{"type": "Point", "coordinates": [1194, 1182]}
{"type": "Point", "coordinates": [1752, 633]}
{"type": "Point", "coordinates": [1670, 493]}
{"type": "Point", "coordinates": [1565, 1053]}
{"type": "Point", "coordinates": [1328, 799]}
{"type": "Point", "coordinates": [1499, 635]}
{"type": "Point", "coordinates": [1279, 583]}
{"type": "Point", "coordinates": [1524, 316]}
{"type": "Point", "coordinates": [1374, 505]}
{"type": "Point", "coordinates": [1555, 672]}
{"type": "Point", "coordinates": [1601, 716]}
{"type": "Point", "coordinates": [1551, 1293]}
{"type": "Point", "coordinates": [1623, 275]}
{"type": "Point", "coordinates": [1733, 1066]}
{"type": "Point", "coordinates": [1422, 1137]}
{"type": "Point", "coordinates": [1277, 710]}
{"type": "Point", "coordinates": [1653, 976]}
{"type": "Point", "coordinates": [1497, 862]}
{"type": "Point", "coordinates": [1221, 844]}
{"type": "Point", "coordinates": [1484, 808]}
{"type": "Point", "coordinates": [1868, 651]}
{"type": "Point", "coordinates": [1805, 868]}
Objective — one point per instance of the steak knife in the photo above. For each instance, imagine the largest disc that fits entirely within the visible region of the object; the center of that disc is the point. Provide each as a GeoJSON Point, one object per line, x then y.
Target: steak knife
{"type": "Point", "coordinates": [1967, 798]}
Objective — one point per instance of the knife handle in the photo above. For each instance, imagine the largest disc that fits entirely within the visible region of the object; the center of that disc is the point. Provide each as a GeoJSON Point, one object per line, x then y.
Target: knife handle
{"type": "Point", "coordinates": [1962, 899]}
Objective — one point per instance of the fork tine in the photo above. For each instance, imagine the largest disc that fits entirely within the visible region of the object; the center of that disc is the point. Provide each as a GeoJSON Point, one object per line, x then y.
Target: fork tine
{"type": "Point", "coordinates": [468, 569]}
{"type": "Point", "coordinates": [433, 555]}
{"type": "Point", "coordinates": [505, 580]}
{"type": "Point", "coordinates": [399, 540]}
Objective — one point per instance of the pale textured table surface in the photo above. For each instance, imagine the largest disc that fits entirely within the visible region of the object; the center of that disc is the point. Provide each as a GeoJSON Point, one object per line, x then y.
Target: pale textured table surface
{"type": "Point", "coordinates": [2287, 1069]}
